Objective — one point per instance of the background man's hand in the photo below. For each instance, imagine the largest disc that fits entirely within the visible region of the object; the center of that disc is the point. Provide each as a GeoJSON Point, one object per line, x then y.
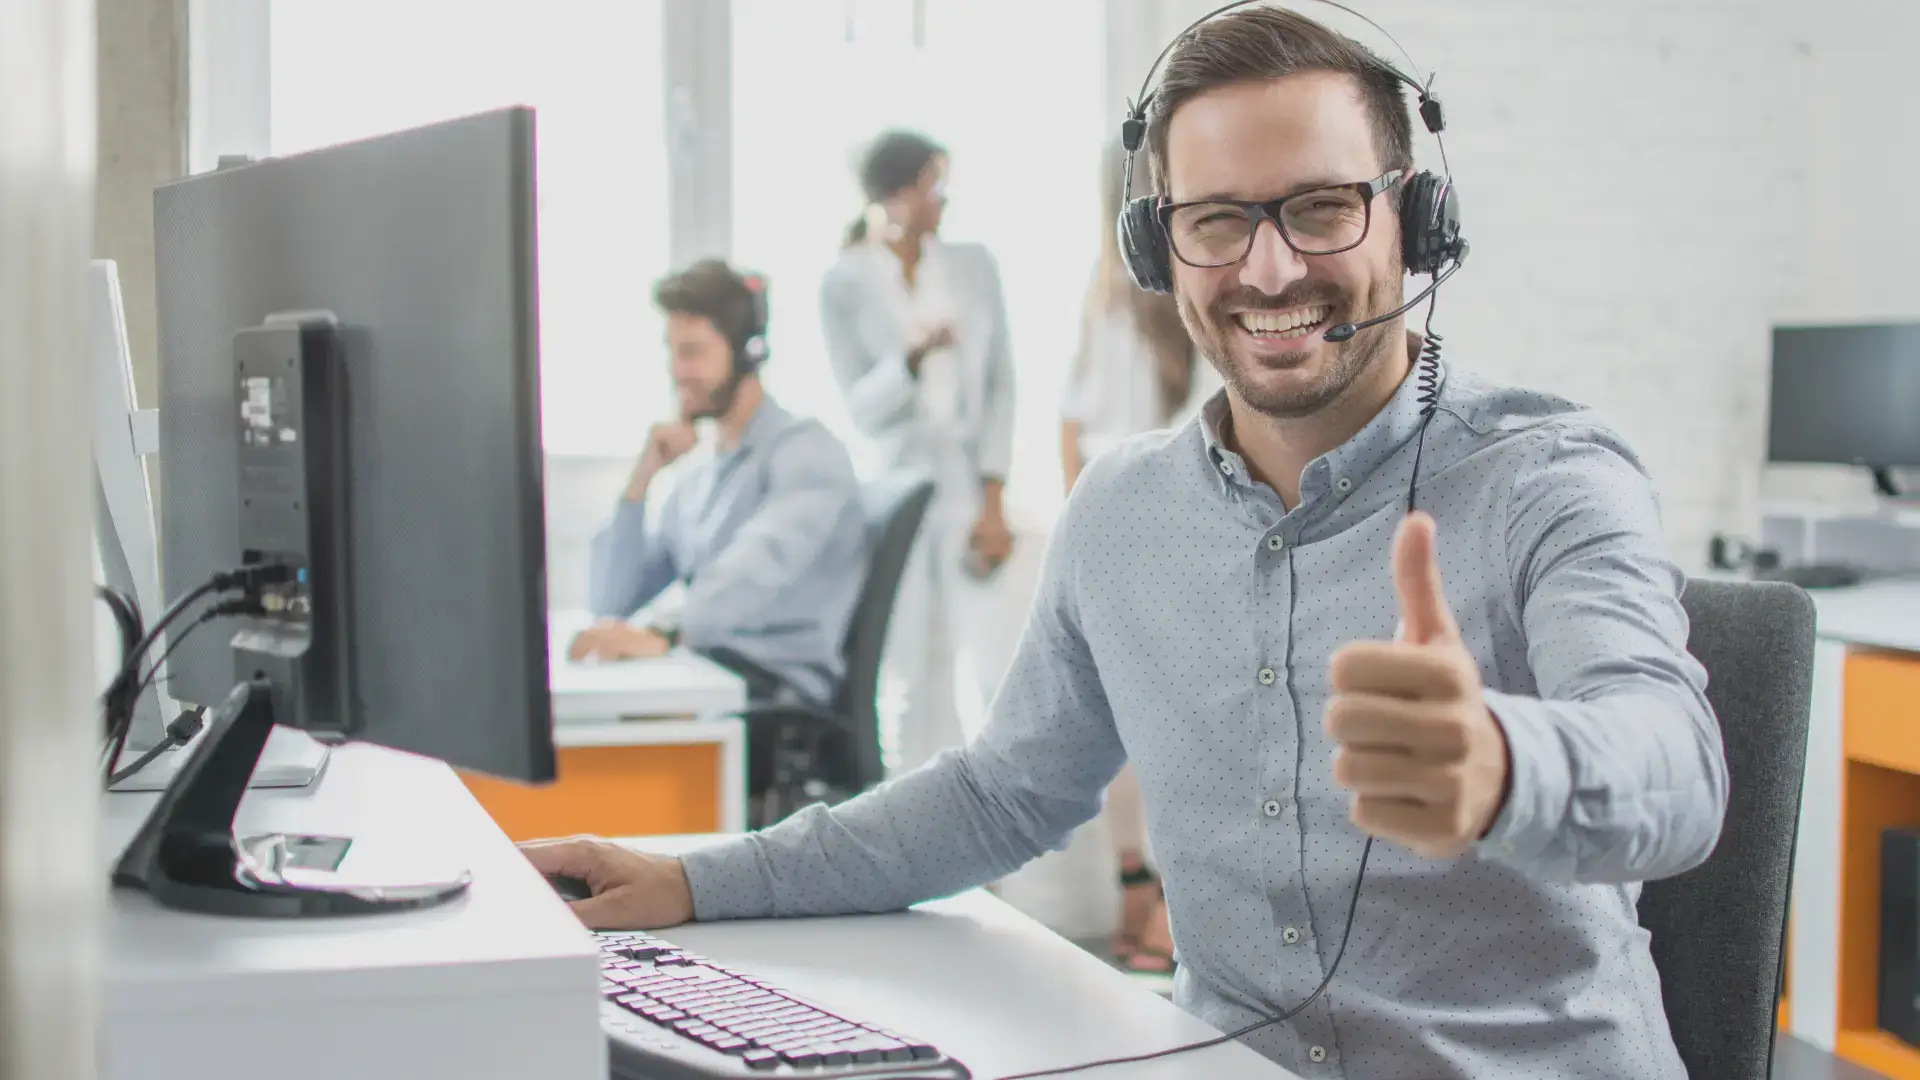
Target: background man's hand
{"type": "Point", "coordinates": [1425, 759]}
{"type": "Point", "coordinates": [631, 890]}
{"type": "Point", "coordinates": [666, 443]}
{"type": "Point", "coordinates": [617, 641]}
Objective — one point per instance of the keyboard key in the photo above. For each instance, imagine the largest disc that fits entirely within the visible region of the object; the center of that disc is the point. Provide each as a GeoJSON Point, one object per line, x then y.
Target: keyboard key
{"type": "Point", "coordinates": [832, 1055]}
{"type": "Point", "coordinates": [800, 1057]}
{"type": "Point", "coordinates": [761, 1058]}
{"type": "Point", "coordinates": [728, 1044]}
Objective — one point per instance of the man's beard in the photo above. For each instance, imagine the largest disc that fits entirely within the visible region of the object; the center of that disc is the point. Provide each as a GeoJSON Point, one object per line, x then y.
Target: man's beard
{"type": "Point", "coordinates": [1214, 333]}
{"type": "Point", "coordinates": [716, 402]}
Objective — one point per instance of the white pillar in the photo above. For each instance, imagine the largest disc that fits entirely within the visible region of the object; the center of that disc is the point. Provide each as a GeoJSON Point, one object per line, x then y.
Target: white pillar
{"type": "Point", "coordinates": [51, 875]}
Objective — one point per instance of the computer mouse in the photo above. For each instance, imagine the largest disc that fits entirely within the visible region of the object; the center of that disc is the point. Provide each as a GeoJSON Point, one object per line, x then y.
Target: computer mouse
{"type": "Point", "coordinates": [570, 888]}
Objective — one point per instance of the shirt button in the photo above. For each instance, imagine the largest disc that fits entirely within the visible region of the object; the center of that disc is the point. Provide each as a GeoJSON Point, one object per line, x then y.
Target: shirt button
{"type": "Point", "coordinates": [1344, 484]}
{"type": "Point", "coordinates": [1266, 676]}
{"type": "Point", "coordinates": [1271, 808]}
{"type": "Point", "coordinates": [1290, 935]}
{"type": "Point", "coordinates": [1317, 1053]}
{"type": "Point", "coordinates": [1227, 467]}
{"type": "Point", "coordinates": [1274, 543]}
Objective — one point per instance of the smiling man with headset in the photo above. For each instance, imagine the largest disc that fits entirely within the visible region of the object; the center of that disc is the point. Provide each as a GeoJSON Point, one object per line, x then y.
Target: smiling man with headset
{"type": "Point", "coordinates": [1297, 661]}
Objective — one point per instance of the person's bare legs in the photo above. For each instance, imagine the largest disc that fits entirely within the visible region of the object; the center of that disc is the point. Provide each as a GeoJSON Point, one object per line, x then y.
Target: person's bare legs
{"type": "Point", "coordinates": [1142, 945]}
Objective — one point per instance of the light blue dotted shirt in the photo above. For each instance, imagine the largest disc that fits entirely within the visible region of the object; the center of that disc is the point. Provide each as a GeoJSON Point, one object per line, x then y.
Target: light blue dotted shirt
{"type": "Point", "coordinates": [1185, 620]}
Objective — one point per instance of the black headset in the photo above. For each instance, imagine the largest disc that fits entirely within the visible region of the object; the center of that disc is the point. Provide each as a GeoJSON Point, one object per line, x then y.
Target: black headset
{"type": "Point", "coordinates": [1429, 208]}
{"type": "Point", "coordinates": [750, 348]}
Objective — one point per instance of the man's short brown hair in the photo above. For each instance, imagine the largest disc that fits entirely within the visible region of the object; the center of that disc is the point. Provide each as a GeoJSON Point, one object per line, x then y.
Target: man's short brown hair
{"type": "Point", "coordinates": [714, 291]}
{"type": "Point", "coordinates": [1260, 43]}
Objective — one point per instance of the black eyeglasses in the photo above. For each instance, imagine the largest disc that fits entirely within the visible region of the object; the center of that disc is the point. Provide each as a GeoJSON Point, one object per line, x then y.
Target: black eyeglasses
{"type": "Point", "coordinates": [1322, 221]}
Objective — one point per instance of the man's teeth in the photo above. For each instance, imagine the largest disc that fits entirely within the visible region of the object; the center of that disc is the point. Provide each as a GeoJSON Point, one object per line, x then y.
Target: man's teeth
{"type": "Point", "coordinates": [1292, 323]}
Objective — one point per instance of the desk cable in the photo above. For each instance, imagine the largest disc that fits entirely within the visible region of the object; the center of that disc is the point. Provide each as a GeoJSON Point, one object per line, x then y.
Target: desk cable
{"type": "Point", "coordinates": [1353, 905]}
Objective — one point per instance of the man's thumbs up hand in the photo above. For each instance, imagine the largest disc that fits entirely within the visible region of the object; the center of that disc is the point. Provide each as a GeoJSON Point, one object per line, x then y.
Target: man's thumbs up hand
{"type": "Point", "coordinates": [1425, 760]}
{"type": "Point", "coordinates": [1425, 618]}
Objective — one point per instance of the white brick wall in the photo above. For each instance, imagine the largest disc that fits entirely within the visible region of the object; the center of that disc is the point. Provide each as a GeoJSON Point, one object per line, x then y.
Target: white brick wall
{"type": "Point", "coordinates": [1647, 185]}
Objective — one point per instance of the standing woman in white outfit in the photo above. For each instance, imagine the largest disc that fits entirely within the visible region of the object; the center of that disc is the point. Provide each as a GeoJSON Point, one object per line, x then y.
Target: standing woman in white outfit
{"type": "Point", "coordinates": [1135, 371]}
{"type": "Point", "coordinates": [916, 331]}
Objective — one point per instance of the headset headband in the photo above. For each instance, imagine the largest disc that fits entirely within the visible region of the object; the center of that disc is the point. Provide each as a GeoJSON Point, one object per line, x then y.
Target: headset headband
{"type": "Point", "coordinates": [1134, 129]}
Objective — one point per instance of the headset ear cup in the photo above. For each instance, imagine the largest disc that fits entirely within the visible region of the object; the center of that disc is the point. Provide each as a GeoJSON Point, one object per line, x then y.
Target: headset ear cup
{"type": "Point", "coordinates": [1143, 245]}
{"type": "Point", "coordinates": [1416, 223]}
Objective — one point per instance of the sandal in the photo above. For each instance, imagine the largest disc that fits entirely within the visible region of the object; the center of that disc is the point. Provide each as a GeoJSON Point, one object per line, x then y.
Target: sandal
{"type": "Point", "coordinates": [1153, 947]}
{"type": "Point", "coordinates": [1143, 903]}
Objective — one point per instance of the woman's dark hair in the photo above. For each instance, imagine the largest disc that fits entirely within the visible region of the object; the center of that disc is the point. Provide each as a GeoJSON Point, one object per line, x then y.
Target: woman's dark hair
{"type": "Point", "coordinates": [892, 163]}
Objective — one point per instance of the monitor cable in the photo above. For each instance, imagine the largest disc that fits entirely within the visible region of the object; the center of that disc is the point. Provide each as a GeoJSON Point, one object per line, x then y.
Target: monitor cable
{"type": "Point", "coordinates": [128, 685]}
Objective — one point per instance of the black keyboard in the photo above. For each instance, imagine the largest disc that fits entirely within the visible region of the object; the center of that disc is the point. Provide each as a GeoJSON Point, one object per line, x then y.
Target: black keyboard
{"type": "Point", "coordinates": [670, 1014]}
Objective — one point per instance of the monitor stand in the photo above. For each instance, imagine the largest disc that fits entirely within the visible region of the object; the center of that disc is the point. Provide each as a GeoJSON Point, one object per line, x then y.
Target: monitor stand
{"type": "Point", "coordinates": [290, 759]}
{"type": "Point", "coordinates": [187, 855]}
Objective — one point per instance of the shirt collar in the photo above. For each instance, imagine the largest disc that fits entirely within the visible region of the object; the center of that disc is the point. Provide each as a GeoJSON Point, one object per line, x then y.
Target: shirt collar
{"type": "Point", "coordinates": [766, 422]}
{"type": "Point", "coordinates": [1352, 461]}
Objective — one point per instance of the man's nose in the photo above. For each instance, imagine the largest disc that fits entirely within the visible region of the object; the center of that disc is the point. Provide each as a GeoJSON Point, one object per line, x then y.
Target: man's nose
{"type": "Point", "coordinates": [1271, 265]}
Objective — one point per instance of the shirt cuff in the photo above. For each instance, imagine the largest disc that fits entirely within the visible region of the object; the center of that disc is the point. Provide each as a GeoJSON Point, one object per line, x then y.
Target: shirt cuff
{"type": "Point", "coordinates": [1539, 782]}
{"type": "Point", "coordinates": [728, 881]}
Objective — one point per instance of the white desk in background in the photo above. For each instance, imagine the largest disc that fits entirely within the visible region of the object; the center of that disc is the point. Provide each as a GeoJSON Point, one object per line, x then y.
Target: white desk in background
{"type": "Point", "coordinates": [1863, 774]}
{"type": "Point", "coordinates": [500, 984]}
{"type": "Point", "coordinates": [681, 684]}
{"type": "Point", "coordinates": [985, 983]}
{"type": "Point", "coordinates": [646, 746]}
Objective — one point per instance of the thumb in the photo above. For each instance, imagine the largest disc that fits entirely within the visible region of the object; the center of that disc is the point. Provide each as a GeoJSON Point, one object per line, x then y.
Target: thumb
{"type": "Point", "coordinates": [1424, 615]}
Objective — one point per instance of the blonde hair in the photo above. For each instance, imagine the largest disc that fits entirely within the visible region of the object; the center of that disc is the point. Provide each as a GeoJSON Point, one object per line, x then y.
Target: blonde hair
{"type": "Point", "coordinates": [1155, 316]}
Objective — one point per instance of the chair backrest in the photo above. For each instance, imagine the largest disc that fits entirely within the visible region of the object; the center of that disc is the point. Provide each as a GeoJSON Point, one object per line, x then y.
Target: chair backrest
{"type": "Point", "coordinates": [895, 505]}
{"type": "Point", "coordinates": [1718, 929]}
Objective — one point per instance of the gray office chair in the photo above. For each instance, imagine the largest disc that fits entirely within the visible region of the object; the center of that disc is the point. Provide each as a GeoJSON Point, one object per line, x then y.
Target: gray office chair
{"type": "Point", "coordinates": [1719, 929]}
{"type": "Point", "coordinates": [826, 754]}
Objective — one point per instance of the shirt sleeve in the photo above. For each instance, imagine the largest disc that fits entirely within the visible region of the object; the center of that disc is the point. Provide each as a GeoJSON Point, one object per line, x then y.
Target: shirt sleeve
{"type": "Point", "coordinates": [1616, 770]}
{"type": "Point", "coordinates": [811, 490]}
{"type": "Point", "coordinates": [879, 390]}
{"type": "Point", "coordinates": [630, 561]}
{"type": "Point", "coordinates": [969, 816]}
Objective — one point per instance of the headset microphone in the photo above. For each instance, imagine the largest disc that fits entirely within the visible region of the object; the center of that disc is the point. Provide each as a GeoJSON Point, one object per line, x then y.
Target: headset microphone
{"type": "Point", "coordinates": [1346, 330]}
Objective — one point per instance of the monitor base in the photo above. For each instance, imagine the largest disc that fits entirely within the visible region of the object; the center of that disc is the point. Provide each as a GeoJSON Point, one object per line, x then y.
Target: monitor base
{"type": "Point", "coordinates": [187, 856]}
{"type": "Point", "coordinates": [1812, 575]}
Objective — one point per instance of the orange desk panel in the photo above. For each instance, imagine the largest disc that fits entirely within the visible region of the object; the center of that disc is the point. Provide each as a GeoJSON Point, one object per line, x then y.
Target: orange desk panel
{"type": "Point", "coordinates": [612, 791]}
{"type": "Point", "coordinates": [1880, 789]}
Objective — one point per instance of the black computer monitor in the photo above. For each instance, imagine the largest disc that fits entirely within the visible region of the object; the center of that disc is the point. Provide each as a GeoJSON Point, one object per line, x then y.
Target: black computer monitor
{"type": "Point", "coordinates": [349, 412]}
{"type": "Point", "coordinates": [1846, 395]}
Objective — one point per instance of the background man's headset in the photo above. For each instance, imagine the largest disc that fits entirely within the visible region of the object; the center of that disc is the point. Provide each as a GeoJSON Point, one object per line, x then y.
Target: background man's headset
{"type": "Point", "coordinates": [1430, 244]}
{"type": "Point", "coordinates": [750, 348]}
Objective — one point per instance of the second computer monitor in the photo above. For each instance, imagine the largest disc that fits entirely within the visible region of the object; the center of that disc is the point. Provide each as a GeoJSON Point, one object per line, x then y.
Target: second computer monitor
{"type": "Point", "coordinates": [421, 245]}
{"type": "Point", "coordinates": [1846, 395]}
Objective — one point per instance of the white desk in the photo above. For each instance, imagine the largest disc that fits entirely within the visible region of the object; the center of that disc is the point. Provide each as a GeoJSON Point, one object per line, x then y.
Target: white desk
{"type": "Point", "coordinates": [1876, 615]}
{"type": "Point", "coordinates": [993, 988]}
{"type": "Point", "coordinates": [503, 983]}
{"type": "Point", "coordinates": [680, 684]}
{"type": "Point", "coordinates": [500, 984]}
{"type": "Point", "coordinates": [681, 699]}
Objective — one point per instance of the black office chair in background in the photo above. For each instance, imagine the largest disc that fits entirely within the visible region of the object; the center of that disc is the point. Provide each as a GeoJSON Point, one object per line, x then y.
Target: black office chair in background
{"type": "Point", "coordinates": [1719, 929]}
{"type": "Point", "coordinates": [821, 754]}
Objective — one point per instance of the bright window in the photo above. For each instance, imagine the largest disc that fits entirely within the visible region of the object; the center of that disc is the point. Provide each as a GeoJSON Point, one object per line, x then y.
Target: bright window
{"type": "Point", "coordinates": [1010, 87]}
{"type": "Point", "coordinates": [346, 69]}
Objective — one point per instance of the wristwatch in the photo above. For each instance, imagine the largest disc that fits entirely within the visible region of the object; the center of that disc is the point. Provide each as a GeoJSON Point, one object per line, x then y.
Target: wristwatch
{"type": "Point", "coordinates": [667, 628]}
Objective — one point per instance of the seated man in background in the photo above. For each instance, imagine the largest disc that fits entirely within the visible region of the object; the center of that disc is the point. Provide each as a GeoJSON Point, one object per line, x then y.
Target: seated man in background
{"type": "Point", "coordinates": [763, 525]}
